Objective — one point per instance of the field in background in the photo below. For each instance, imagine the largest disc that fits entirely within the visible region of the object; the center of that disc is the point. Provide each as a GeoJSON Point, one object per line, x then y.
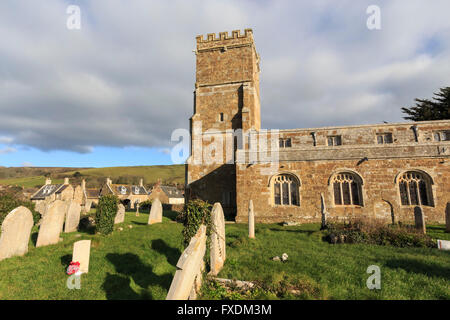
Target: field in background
{"type": "Point", "coordinates": [34, 177]}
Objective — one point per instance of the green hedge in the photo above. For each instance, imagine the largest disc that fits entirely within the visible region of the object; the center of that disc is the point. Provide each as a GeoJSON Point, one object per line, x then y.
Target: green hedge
{"type": "Point", "coordinates": [106, 212]}
{"type": "Point", "coordinates": [9, 203]}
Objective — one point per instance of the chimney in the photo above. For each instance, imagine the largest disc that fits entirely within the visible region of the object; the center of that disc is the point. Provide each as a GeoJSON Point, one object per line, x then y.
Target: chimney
{"type": "Point", "coordinates": [141, 182]}
{"type": "Point", "coordinates": [66, 180]}
{"type": "Point", "coordinates": [48, 181]}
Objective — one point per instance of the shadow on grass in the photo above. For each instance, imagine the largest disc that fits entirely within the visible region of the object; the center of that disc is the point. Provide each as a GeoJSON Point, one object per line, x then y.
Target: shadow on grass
{"type": "Point", "coordinates": [415, 266]}
{"type": "Point", "coordinates": [34, 237]}
{"type": "Point", "coordinates": [66, 260]}
{"type": "Point", "coordinates": [139, 223]}
{"type": "Point", "coordinates": [172, 254]}
{"type": "Point", "coordinates": [172, 215]}
{"type": "Point", "coordinates": [436, 228]}
{"type": "Point", "coordinates": [131, 268]}
{"type": "Point", "coordinates": [308, 232]}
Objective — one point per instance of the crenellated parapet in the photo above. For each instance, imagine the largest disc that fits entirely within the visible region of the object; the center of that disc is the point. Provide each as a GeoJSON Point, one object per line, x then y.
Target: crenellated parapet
{"type": "Point", "coordinates": [224, 39]}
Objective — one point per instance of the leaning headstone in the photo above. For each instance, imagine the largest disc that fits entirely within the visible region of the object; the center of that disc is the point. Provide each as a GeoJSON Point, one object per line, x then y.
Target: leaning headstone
{"type": "Point", "coordinates": [251, 220]}
{"type": "Point", "coordinates": [120, 215]}
{"type": "Point", "coordinates": [447, 217]}
{"type": "Point", "coordinates": [217, 252]}
{"type": "Point", "coordinates": [52, 224]}
{"type": "Point", "coordinates": [81, 252]}
{"type": "Point", "coordinates": [419, 219]}
{"type": "Point", "coordinates": [323, 211]}
{"type": "Point", "coordinates": [155, 212]}
{"type": "Point", "coordinates": [16, 229]}
{"type": "Point", "coordinates": [72, 216]}
{"type": "Point", "coordinates": [189, 266]}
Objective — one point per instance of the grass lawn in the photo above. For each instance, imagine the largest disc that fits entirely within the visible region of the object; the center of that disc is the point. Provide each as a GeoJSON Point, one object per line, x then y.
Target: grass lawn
{"type": "Point", "coordinates": [139, 263]}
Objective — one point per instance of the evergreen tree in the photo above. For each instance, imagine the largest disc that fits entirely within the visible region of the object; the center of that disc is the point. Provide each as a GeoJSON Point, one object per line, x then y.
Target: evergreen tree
{"type": "Point", "coordinates": [436, 109]}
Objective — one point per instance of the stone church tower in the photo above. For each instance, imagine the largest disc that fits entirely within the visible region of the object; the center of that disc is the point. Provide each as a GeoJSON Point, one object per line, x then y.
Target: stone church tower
{"type": "Point", "coordinates": [226, 101]}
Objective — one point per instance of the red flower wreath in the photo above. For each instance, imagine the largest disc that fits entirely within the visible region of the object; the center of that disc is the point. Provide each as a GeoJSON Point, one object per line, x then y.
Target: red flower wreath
{"type": "Point", "coordinates": [73, 267]}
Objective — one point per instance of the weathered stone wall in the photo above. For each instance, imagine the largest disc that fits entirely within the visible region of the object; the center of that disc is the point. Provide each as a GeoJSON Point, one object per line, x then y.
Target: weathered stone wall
{"type": "Point", "coordinates": [379, 184]}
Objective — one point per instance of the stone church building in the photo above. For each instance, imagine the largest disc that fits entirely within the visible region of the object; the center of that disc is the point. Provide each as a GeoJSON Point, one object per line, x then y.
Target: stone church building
{"type": "Point", "coordinates": [380, 170]}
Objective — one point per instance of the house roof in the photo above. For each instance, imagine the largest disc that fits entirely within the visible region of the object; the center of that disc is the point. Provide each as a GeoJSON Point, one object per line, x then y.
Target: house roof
{"type": "Point", "coordinates": [172, 192]}
{"type": "Point", "coordinates": [92, 193]}
{"type": "Point", "coordinates": [126, 189]}
{"type": "Point", "coordinates": [47, 190]}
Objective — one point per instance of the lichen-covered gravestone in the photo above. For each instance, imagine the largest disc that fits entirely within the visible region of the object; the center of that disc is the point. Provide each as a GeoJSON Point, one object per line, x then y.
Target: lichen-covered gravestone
{"type": "Point", "coordinates": [155, 212]}
{"type": "Point", "coordinates": [189, 268]}
{"type": "Point", "coordinates": [120, 215]}
{"type": "Point", "coordinates": [447, 217]}
{"type": "Point", "coordinates": [217, 252]}
{"type": "Point", "coordinates": [323, 211]}
{"type": "Point", "coordinates": [52, 224]}
{"type": "Point", "coordinates": [419, 219]}
{"type": "Point", "coordinates": [72, 216]}
{"type": "Point", "coordinates": [251, 220]}
{"type": "Point", "coordinates": [81, 252]}
{"type": "Point", "coordinates": [16, 229]}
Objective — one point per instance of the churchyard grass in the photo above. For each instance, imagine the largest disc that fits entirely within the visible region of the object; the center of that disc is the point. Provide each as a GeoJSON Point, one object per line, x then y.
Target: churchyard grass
{"type": "Point", "coordinates": [136, 263]}
{"type": "Point", "coordinates": [139, 263]}
{"type": "Point", "coordinates": [319, 270]}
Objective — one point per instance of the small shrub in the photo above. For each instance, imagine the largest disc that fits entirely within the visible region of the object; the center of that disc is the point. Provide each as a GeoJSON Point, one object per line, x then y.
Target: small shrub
{"type": "Point", "coordinates": [106, 212]}
{"type": "Point", "coordinates": [195, 213]}
{"type": "Point", "coordinates": [145, 205]}
{"type": "Point", "coordinates": [9, 202]}
{"type": "Point", "coordinates": [375, 232]}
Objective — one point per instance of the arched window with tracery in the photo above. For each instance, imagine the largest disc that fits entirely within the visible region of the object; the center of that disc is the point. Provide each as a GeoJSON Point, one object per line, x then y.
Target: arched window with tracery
{"type": "Point", "coordinates": [415, 189]}
{"type": "Point", "coordinates": [286, 190]}
{"type": "Point", "coordinates": [347, 189]}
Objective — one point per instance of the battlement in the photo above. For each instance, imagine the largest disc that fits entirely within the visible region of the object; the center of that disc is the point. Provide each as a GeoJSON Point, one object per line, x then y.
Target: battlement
{"type": "Point", "coordinates": [235, 34]}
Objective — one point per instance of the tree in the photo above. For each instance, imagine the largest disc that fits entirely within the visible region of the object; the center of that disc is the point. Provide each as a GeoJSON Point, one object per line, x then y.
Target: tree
{"type": "Point", "coordinates": [436, 109]}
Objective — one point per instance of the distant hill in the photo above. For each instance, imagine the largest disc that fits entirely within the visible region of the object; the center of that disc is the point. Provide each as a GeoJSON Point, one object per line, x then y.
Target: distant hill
{"type": "Point", "coordinates": [32, 177]}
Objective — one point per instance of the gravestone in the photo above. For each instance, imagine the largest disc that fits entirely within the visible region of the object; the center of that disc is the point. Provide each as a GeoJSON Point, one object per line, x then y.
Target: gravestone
{"type": "Point", "coordinates": [81, 252]}
{"type": "Point", "coordinates": [52, 224]}
{"type": "Point", "coordinates": [120, 215]}
{"type": "Point", "coordinates": [323, 211]}
{"type": "Point", "coordinates": [447, 217]}
{"type": "Point", "coordinates": [251, 220]}
{"type": "Point", "coordinates": [217, 251]}
{"type": "Point", "coordinates": [137, 209]}
{"type": "Point", "coordinates": [419, 219]}
{"type": "Point", "coordinates": [189, 267]}
{"type": "Point", "coordinates": [72, 216]}
{"type": "Point", "coordinates": [155, 212]}
{"type": "Point", "coordinates": [443, 244]}
{"type": "Point", "coordinates": [16, 229]}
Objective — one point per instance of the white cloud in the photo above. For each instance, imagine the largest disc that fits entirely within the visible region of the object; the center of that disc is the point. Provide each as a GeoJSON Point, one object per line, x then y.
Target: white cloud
{"type": "Point", "coordinates": [7, 150]}
{"type": "Point", "coordinates": [126, 78]}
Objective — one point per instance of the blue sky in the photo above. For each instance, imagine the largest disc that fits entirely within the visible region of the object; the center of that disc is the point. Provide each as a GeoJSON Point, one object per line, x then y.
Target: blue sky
{"type": "Point", "coordinates": [111, 93]}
